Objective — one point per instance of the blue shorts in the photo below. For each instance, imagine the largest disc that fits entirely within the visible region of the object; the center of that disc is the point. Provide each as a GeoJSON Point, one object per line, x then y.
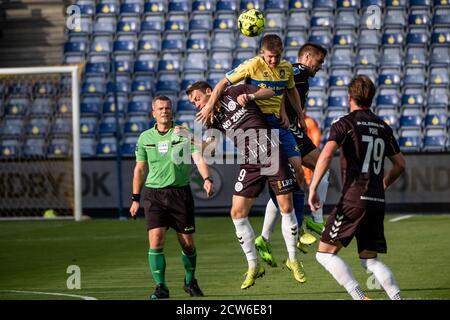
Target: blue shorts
{"type": "Point", "coordinates": [287, 140]}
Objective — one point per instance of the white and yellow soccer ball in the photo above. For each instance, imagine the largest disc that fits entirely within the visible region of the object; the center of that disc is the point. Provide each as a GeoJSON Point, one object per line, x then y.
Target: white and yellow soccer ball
{"type": "Point", "coordinates": [251, 23]}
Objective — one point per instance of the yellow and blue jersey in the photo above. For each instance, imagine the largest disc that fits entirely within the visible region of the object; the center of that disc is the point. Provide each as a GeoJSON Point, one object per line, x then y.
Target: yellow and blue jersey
{"type": "Point", "coordinates": [256, 72]}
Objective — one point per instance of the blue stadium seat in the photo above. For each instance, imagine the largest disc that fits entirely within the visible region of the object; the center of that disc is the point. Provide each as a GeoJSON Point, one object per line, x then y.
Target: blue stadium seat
{"type": "Point", "coordinates": [42, 106]}
{"type": "Point", "coordinates": [64, 106]}
{"type": "Point", "coordinates": [368, 3]}
{"type": "Point", "coordinates": [315, 100]}
{"type": "Point", "coordinates": [88, 126]}
{"type": "Point", "coordinates": [412, 121]}
{"type": "Point", "coordinates": [223, 40]}
{"type": "Point", "coordinates": [59, 147]}
{"type": "Point", "coordinates": [438, 95]}
{"type": "Point", "coordinates": [439, 75]}
{"type": "Point", "coordinates": [440, 38]}
{"type": "Point", "coordinates": [298, 20]}
{"type": "Point", "coordinates": [319, 80]}
{"type": "Point", "coordinates": [412, 99]}
{"type": "Point", "coordinates": [169, 65]}
{"type": "Point", "coordinates": [434, 140]}
{"type": "Point", "coordinates": [342, 57]}
{"type": "Point", "coordinates": [224, 24]}
{"type": "Point", "coordinates": [124, 46]}
{"type": "Point", "coordinates": [176, 25]}
{"type": "Point", "coordinates": [152, 25]}
{"type": "Point", "coordinates": [203, 6]}
{"type": "Point", "coordinates": [299, 5]}
{"type": "Point", "coordinates": [388, 97]}
{"type": "Point", "coordinates": [106, 147]}
{"type": "Point", "coordinates": [128, 27]}
{"type": "Point", "coordinates": [142, 86]}
{"type": "Point", "coordinates": [417, 38]}
{"type": "Point", "coordinates": [274, 5]}
{"type": "Point", "coordinates": [17, 106]}
{"type": "Point", "coordinates": [338, 99]}
{"type": "Point", "coordinates": [151, 45]}
{"type": "Point", "coordinates": [410, 140]}
{"type": "Point", "coordinates": [87, 146]}
{"type": "Point", "coordinates": [367, 57]}
{"type": "Point", "coordinates": [135, 125]}
{"type": "Point", "coordinates": [18, 89]}
{"type": "Point", "coordinates": [441, 19]}
{"type": "Point", "coordinates": [320, 21]}
{"type": "Point", "coordinates": [139, 107]}
{"type": "Point", "coordinates": [184, 106]}
{"type": "Point", "coordinates": [347, 4]}
{"type": "Point", "coordinates": [131, 9]}
{"type": "Point", "coordinates": [347, 19]}
{"type": "Point", "coordinates": [86, 9]}
{"type": "Point", "coordinates": [62, 126]}
{"type": "Point", "coordinates": [395, 17]}
{"type": "Point", "coordinates": [414, 75]}
{"type": "Point", "coordinates": [155, 7]}
{"type": "Point", "coordinates": [201, 23]}
{"type": "Point", "coordinates": [440, 55]}
{"type": "Point", "coordinates": [436, 119]}
{"type": "Point", "coordinates": [108, 126]}
{"type": "Point", "coordinates": [392, 57]}
{"type": "Point", "coordinates": [10, 148]}
{"type": "Point", "coordinates": [98, 68]}
{"type": "Point", "coordinates": [34, 147]}
{"type": "Point", "coordinates": [415, 4]}
{"type": "Point", "coordinates": [109, 107]}
{"type": "Point", "coordinates": [324, 4]}
{"type": "Point", "coordinates": [416, 56]}
{"type": "Point", "coordinates": [339, 80]}
{"type": "Point", "coordinates": [245, 4]}
{"type": "Point", "coordinates": [393, 80]}
{"type": "Point", "coordinates": [201, 61]}
{"type": "Point", "coordinates": [369, 38]}
{"type": "Point", "coordinates": [389, 116]}
{"type": "Point", "coordinates": [12, 127]}
{"type": "Point", "coordinates": [84, 28]}
{"type": "Point", "coordinates": [79, 47]}
{"type": "Point", "coordinates": [173, 45]}
{"type": "Point", "coordinates": [128, 147]}
{"type": "Point", "coordinates": [396, 3]}
{"type": "Point", "coordinates": [168, 82]}
{"type": "Point", "coordinates": [226, 6]}
{"type": "Point", "coordinates": [93, 87]}
{"type": "Point", "coordinates": [183, 6]}
{"type": "Point", "coordinates": [214, 77]}
{"type": "Point", "coordinates": [321, 39]}
{"type": "Point", "coordinates": [106, 8]}
{"type": "Point", "coordinates": [145, 66]}
{"type": "Point", "coordinates": [105, 25]}
{"type": "Point", "coordinates": [418, 20]}
{"type": "Point", "coordinates": [392, 39]}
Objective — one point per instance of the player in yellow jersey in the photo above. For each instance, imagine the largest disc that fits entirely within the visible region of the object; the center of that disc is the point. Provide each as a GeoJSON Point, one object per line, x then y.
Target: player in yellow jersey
{"type": "Point", "coordinates": [268, 70]}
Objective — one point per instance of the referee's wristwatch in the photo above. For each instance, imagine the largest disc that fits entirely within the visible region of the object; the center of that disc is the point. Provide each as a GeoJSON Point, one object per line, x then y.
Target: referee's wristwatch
{"type": "Point", "coordinates": [208, 178]}
{"type": "Point", "coordinates": [136, 197]}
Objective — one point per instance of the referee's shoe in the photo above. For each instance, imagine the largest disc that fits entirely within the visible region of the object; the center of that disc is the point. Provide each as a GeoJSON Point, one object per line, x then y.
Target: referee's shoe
{"type": "Point", "coordinates": [192, 288]}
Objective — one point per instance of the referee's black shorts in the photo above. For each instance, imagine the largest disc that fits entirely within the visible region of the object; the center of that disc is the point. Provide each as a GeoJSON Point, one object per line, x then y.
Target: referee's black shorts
{"type": "Point", "coordinates": [170, 207]}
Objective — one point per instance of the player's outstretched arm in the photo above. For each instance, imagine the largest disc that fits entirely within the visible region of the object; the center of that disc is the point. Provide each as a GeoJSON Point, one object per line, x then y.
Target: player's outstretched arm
{"type": "Point", "coordinates": [140, 171]}
{"type": "Point", "coordinates": [294, 99]}
{"type": "Point", "coordinates": [398, 167]}
{"type": "Point", "coordinates": [260, 94]}
{"type": "Point", "coordinates": [202, 168]}
{"type": "Point", "coordinates": [207, 112]}
{"type": "Point", "coordinates": [323, 163]}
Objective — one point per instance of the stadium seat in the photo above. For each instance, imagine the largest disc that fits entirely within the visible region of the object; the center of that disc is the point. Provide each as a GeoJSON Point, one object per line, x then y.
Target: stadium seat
{"type": "Point", "coordinates": [331, 116]}
{"type": "Point", "coordinates": [395, 17]}
{"type": "Point", "coordinates": [410, 121]}
{"type": "Point", "coordinates": [128, 147]}
{"type": "Point", "coordinates": [105, 26]}
{"type": "Point", "coordinates": [168, 82]}
{"type": "Point", "coordinates": [412, 97]}
{"type": "Point", "coordinates": [189, 78]}
{"type": "Point", "coordinates": [435, 140]}
{"type": "Point", "coordinates": [144, 65]}
{"type": "Point", "coordinates": [392, 57]}
{"type": "Point", "coordinates": [169, 65]}
{"type": "Point", "coordinates": [227, 6]}
{"type": "Point", "coordinates": [389, 116]}
{"type": "Point", "coordinates": [342, 57]}
{"type": "Point", "coordinates": [10, 148]}
{"type": "Point", "coordinates": [438, 95]}
{"type": "Point", "coordinates": [418, 20]}
{"type": "Point", "coordinates": [91, 105]}
{"type": "Point", "coordinates": [367, 57]}
{"type": "Point", "coordinates": [410, 140]}
{"type": "Point", "coordinates": [201, 61]}
{"type": "Point", "coordinates": [64, 106]}
{"type": "Point", "coordinates": [416, 56]}
{"type": "Point", "coordinates": [107, 126]}
{"type": "Point", "coordinates": [316, 100]}
{"type": "Point", "coordinates": [436, 117]}
{"type": "Point", "coordinates": [203, 6]}
{"type": "Point", "coordinates": [184, 106]}
{"type": "Point", "coordinates": [152, 25]}
{"type": "Point", "coordinates": [319, 80]}
{"type": "Point", "coordinates": [59, 147]}
{"type": "Point", "coordinates": [388, 97]}
{"type": "Point", "coordinates": [298, 20]}
{"type": "Point", "coordinates": [223, 40]}
{"type": "Point", "coordinates": [97, 68]}
{"type": "Point", "coordinates": [369, 37]}
{"type": "Point", "coordinates": [34, 148]}
{"type": "Point", "coordinates": [347, 19]}
{"type": "Point", "coordinates": [88, 146]}
{"type": "Point", "coordinates": [440, 55]}
{"type": "Point", "coordinates": [439, 75]}
{"type": "Point", "coordinates": [201, 23]}
{"type": "Point", "coordinates": [142, 86]}
{"type": "Point", "coordinates": [133, 9]}
{"type": "Point", "coordinates": [338, 99]}
{"type": "Point", "coordinates": [414, 75]}
{"type": "Point", "coordinates": [106, 147]}
{"type": "Point", "coordinates": [183, 6]}
{"type": "Point", "coordinates": [246, 4]}
{"type": "Point", "coordinates": [17, 106]}
{"type": "Point", "coordinates": [88, 126]}
{"type": "Point", "coordinates": [62, 126]}
{"type": "Point", "coordinates": [12, 127]}
{"type": "Point", "coordinates": [155, 7]}
{"type": "Point", "coordinates": [139, 107]}
{"type": "Point", "coordinates": [135, 125]}
{"type": "Point", "coordinates": [441, 17]}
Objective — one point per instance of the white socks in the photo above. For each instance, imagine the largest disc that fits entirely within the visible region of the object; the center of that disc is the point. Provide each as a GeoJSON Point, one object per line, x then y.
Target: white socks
{"type": "Point", "coordinates": [289, 228]}
{"type": "Point", "coordinates": [246, 238]}
{"type": "Point", "coordinates": [322, 190]}
{"type": "Point", "coordinates": [383, 275]}
{"type": "Point", "coordinates": [342, 273]}
{"type": "Point", "coordinates": [270, 220]}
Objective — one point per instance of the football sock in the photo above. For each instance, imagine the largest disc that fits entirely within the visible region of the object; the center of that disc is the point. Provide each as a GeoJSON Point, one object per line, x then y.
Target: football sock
{"type": "Point", "coordinates": [189, 263]}
{"type": "Point", "coordinates": [289, 228]}
{"type": "Point", "coordinates": [246, 238]}
{"type": "Point", "coordinates": [342, 273]}
{"type": "Point", "coordinates": [157, 262]}
{"type": "Point", "coordinates": [270, 219]}
{"type": "Point", "coordinates": [299, 206]}
{"type": "Point", "coordinates": [383, 275]}
{"type": "Point", "coordinates": [322, 190]}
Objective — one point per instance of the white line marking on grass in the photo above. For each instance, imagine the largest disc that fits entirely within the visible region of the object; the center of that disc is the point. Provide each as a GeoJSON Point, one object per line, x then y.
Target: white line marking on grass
{"type": "Point", "coordinates": [400, 218]}
{"type": "Point", "coordinates": [52, 294]}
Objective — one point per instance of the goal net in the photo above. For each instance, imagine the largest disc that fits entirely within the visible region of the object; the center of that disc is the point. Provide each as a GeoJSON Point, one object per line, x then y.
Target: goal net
{"type": "Point", "coordinates": [40, 164]}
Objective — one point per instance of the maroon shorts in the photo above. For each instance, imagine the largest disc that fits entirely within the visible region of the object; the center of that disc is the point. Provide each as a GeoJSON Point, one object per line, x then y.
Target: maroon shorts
{"type": "Point", "coordinates": [250, 180]}
{"type": "Point", "coordinates": [304, 142]}
{"type": "Point", "coordinates": [170, 207]}
{"type": "Point", "coordinates": [366, 224]}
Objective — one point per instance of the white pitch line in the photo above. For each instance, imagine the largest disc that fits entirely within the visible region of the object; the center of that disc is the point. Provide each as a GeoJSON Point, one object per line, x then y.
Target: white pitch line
{"type": "Point", "coordinates": [52, 294]}
{"type": "Point", "coordinates": [400, 218]}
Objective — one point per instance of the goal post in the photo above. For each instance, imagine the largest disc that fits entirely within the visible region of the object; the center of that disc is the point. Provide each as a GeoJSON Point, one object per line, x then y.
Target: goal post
{"type": "Point", "coordinates": [40, 74]}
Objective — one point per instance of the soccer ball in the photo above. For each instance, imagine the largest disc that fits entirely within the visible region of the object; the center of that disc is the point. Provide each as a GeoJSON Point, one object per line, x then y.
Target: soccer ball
{"type": "Point", "coordinates": [251, 23]}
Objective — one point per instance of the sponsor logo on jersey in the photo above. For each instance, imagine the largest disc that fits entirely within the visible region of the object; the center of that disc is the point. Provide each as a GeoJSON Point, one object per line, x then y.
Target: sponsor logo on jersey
{"type": "Point", "coordinates": [163, 147]}
{"type": "Point", "coordinates": [266, 74]}
{"type": "Point", "coordinates": [282, 73]}
{"type": "Point", "coordinates": [231, 105]}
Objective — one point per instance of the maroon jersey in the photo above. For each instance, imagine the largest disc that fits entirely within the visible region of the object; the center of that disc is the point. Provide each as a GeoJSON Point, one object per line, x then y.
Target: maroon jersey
{"type": "Point", "coordinates": [245, 125]}
{"type": "Point", "coordinates": [365, 141]}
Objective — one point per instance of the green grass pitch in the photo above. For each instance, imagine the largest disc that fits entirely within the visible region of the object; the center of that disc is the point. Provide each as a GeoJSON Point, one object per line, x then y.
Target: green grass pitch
{"type": "Point", "coordinates": [112, 256]}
